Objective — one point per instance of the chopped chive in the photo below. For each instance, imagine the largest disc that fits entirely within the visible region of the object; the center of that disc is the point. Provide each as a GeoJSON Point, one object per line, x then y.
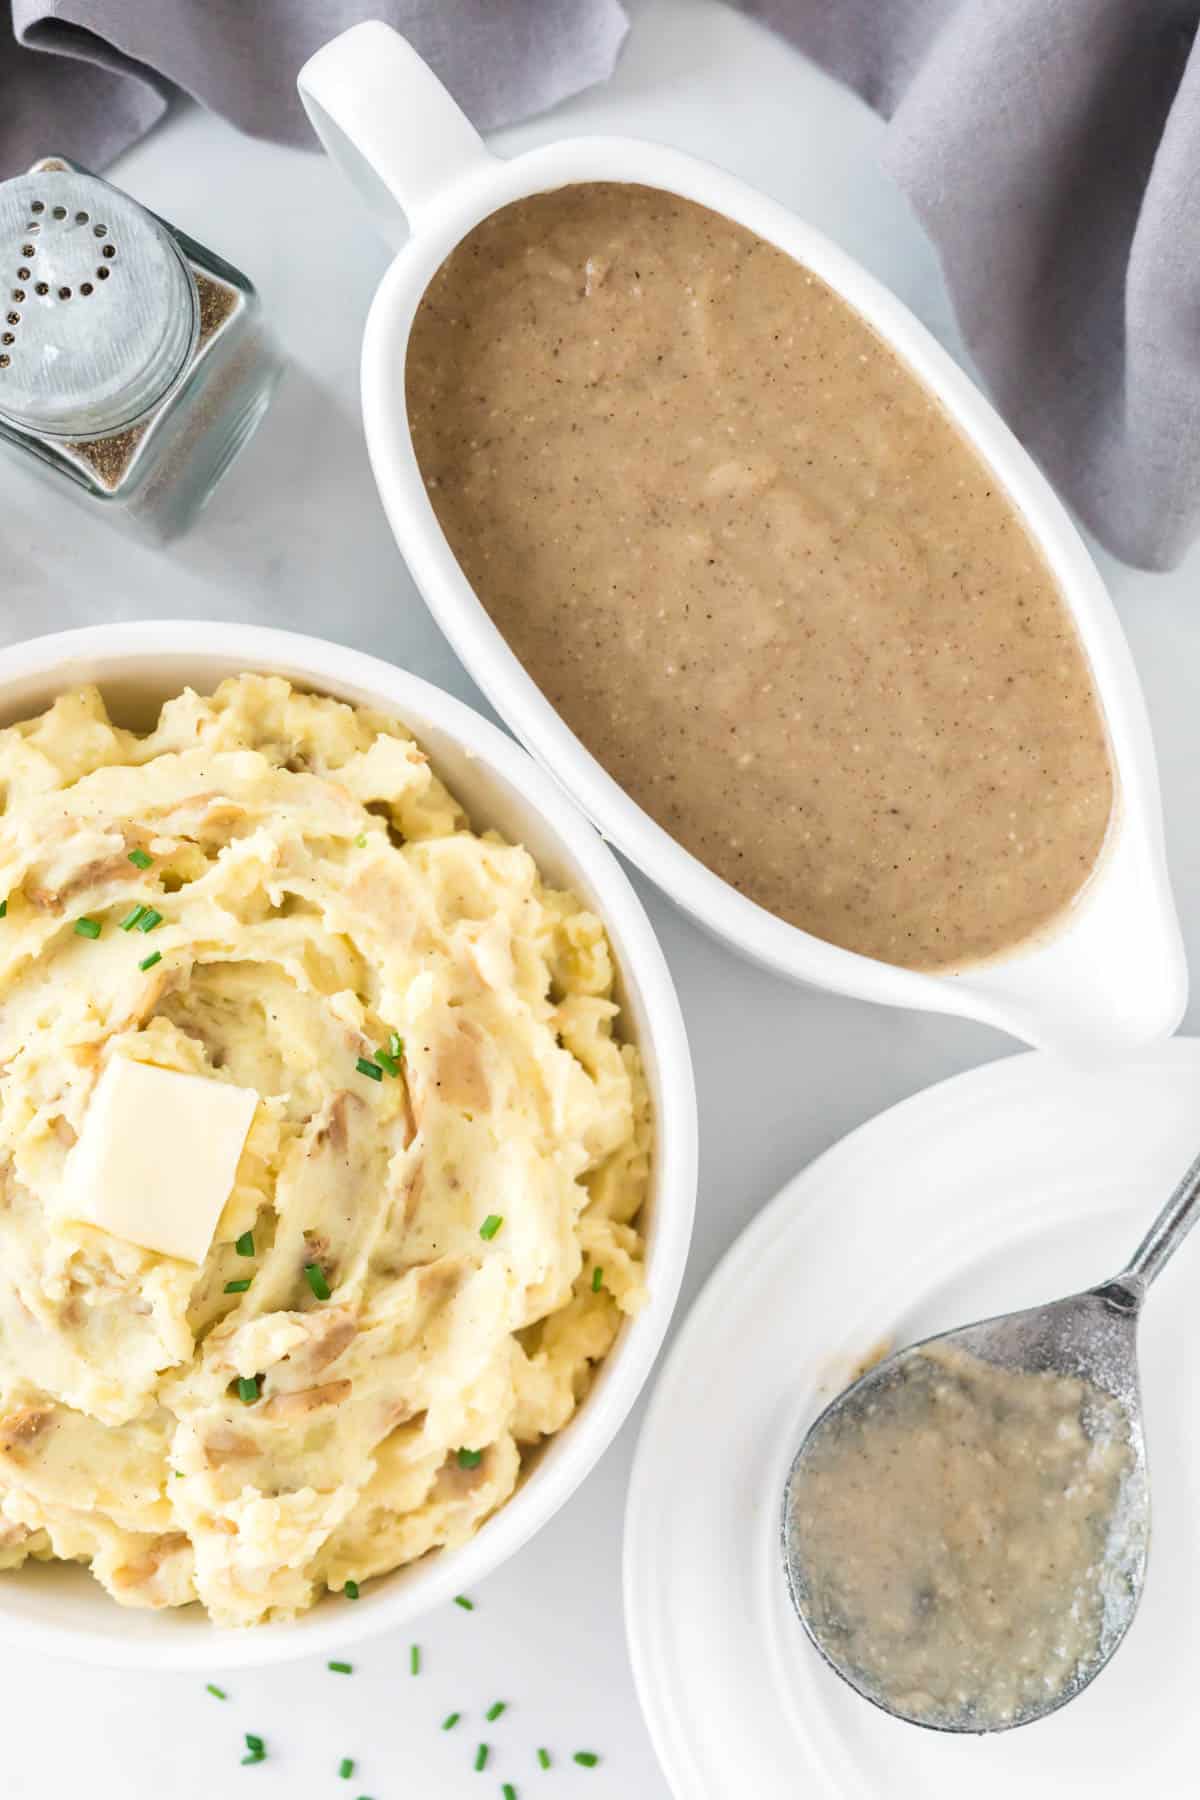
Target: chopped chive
{"type": "Point", "coordinates": [245, 1244]}
{"type": "Point", "coordinates": [212, 1688]}
{"type": "Point", "coordinates": [509, 1791]}
{"type": "Point", "coordinates": [371, 1069]}
{"type": "Point", "coordinates": [350, 1589]}
{"type": "Point", "coordinates": [88, 928]}
{"type": "Point", "coordinates": [544, 1758]}
{"type": "Point", "coordinates": [131, 918]}
{"type": "Point", "coordinates": [395, 1045]}
{"type": "Point", "coordinates": [450, 1721]}
{"type": "Point", "coordinates": [361, 840]}
{"type": "Point", "coordinates": [139, 859]}
{"type": "Point", "coordinates": [148, 962]}
{"type": "Point", "coordinates": [467, 1605]}
{"type": "Point", "coordinates": [490, 1226]}
{"type": "Point", "coordinates": [238, 1287]}
{"type": "Point", "coordinates": [248, 1389]}
{"type": "Point", "coordinates": [346, 1767]}
{"type": "Point", "coordinates": [340, 1668]}
{"type": "Point", "coordinates": [597, 1279]}
{"type": "Point", "coordinates": [493, 1712]}
{"type": "Point", "coordinates": [254, 1743]}
{"type": "Point", "coordinates": [149, 919]}
{"type": "Point", "coordinates": [414, 1660]}
{"type": "Point", "coordinates": [254, 1756]}
{"type": "Point", "coordinates": [256, 1749]}
{"type": "Point", "coordinates": [314, 1274]}
{"type": "Point", "coordinates": [481, 1756]}
{"type": "Point", "coordinates": [469, 1459]}
{"type": "Point", "coordinates": [4, 907]}
{"type": "Point", "coordinates": [587, 1759]}
{"type": "Point", "coordinates": [179, 1474]}
{"type": "Point", "coordinates": [387, 1061]}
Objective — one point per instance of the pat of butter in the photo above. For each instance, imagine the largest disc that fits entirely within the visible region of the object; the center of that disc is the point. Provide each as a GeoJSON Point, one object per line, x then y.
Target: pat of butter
{"type": "Point", "coordinates": [157, 1155]}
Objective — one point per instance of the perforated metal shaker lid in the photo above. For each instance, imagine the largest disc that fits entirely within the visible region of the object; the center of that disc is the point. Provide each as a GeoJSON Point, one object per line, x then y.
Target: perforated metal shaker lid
{"type": "Point", "coordinates": [98, 310]}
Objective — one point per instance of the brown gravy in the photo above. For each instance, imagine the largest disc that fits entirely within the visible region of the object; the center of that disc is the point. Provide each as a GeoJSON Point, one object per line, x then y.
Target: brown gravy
{"type": "Point", "coordinates": [960, 1534]}
{"type": "Point", "coordinates": [759, 572]}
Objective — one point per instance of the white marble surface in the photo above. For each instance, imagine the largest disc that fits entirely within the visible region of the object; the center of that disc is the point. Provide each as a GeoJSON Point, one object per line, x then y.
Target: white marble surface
{"type": "Point", "coordinates": [295, 538]}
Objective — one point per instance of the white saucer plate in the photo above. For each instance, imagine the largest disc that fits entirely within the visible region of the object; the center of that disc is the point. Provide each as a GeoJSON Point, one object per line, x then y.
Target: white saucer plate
{"type": "Point", "coordinates": [1004, 1187]}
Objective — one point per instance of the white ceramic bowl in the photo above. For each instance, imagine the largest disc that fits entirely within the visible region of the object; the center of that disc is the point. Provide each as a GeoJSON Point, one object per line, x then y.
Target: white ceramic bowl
{"type": "Point", "coordinates": [62, 1610]}
{"type": "Point", "coordinates": [1114, 975]}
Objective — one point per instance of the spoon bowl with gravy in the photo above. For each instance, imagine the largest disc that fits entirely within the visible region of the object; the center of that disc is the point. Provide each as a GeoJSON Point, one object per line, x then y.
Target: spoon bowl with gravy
{"type": "Point", "coordinates": [965, 1529]}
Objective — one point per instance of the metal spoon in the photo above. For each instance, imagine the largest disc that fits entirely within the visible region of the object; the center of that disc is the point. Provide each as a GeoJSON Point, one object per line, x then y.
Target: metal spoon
{"type": "Point", "coordinates": [1090, 1336]}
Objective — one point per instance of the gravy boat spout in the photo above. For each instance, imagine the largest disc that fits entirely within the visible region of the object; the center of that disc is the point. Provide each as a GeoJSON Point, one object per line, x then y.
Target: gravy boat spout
{"type": "Point", "coordinates": [1111, 975]}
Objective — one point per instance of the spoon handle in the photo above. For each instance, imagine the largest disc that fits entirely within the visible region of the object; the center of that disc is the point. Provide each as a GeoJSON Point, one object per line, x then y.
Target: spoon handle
{"type": "Point", "coordinates": [1166, 1234]}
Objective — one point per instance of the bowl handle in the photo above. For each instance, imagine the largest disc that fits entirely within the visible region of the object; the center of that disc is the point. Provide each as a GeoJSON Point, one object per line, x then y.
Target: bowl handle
{"type": "Point", "coordinates": [388, 123]}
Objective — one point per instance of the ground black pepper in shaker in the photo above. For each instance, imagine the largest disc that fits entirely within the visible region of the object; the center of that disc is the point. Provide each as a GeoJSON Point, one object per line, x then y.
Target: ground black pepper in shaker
{"type": "Point", "coordinates": [133, 361]}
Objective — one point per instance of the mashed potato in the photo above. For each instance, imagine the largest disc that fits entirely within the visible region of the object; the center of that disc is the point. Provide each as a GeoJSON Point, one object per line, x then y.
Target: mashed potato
{"type": "Point", "coordinates": [320, 891]}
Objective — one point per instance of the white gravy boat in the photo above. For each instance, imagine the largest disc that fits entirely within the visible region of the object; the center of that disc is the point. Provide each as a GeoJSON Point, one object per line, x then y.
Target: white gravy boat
{"type": "Point", "coordinates": [1113, 974]}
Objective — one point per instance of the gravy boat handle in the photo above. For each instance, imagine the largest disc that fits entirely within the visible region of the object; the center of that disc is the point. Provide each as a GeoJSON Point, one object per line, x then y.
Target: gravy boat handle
{"type": "Point", "coordinates": [388, 123]}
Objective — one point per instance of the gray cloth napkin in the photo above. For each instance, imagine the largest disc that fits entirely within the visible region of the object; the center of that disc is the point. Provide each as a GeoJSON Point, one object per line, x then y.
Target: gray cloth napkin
{"type": "Point", "coordinates": [501, 59]}
{"type": "Point", "coordinates": [1051, 149]}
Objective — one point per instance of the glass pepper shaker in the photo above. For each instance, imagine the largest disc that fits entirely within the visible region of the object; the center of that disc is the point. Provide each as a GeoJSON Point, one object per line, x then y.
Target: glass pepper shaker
{"type": "Point", "coordinates": [133, 362]}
